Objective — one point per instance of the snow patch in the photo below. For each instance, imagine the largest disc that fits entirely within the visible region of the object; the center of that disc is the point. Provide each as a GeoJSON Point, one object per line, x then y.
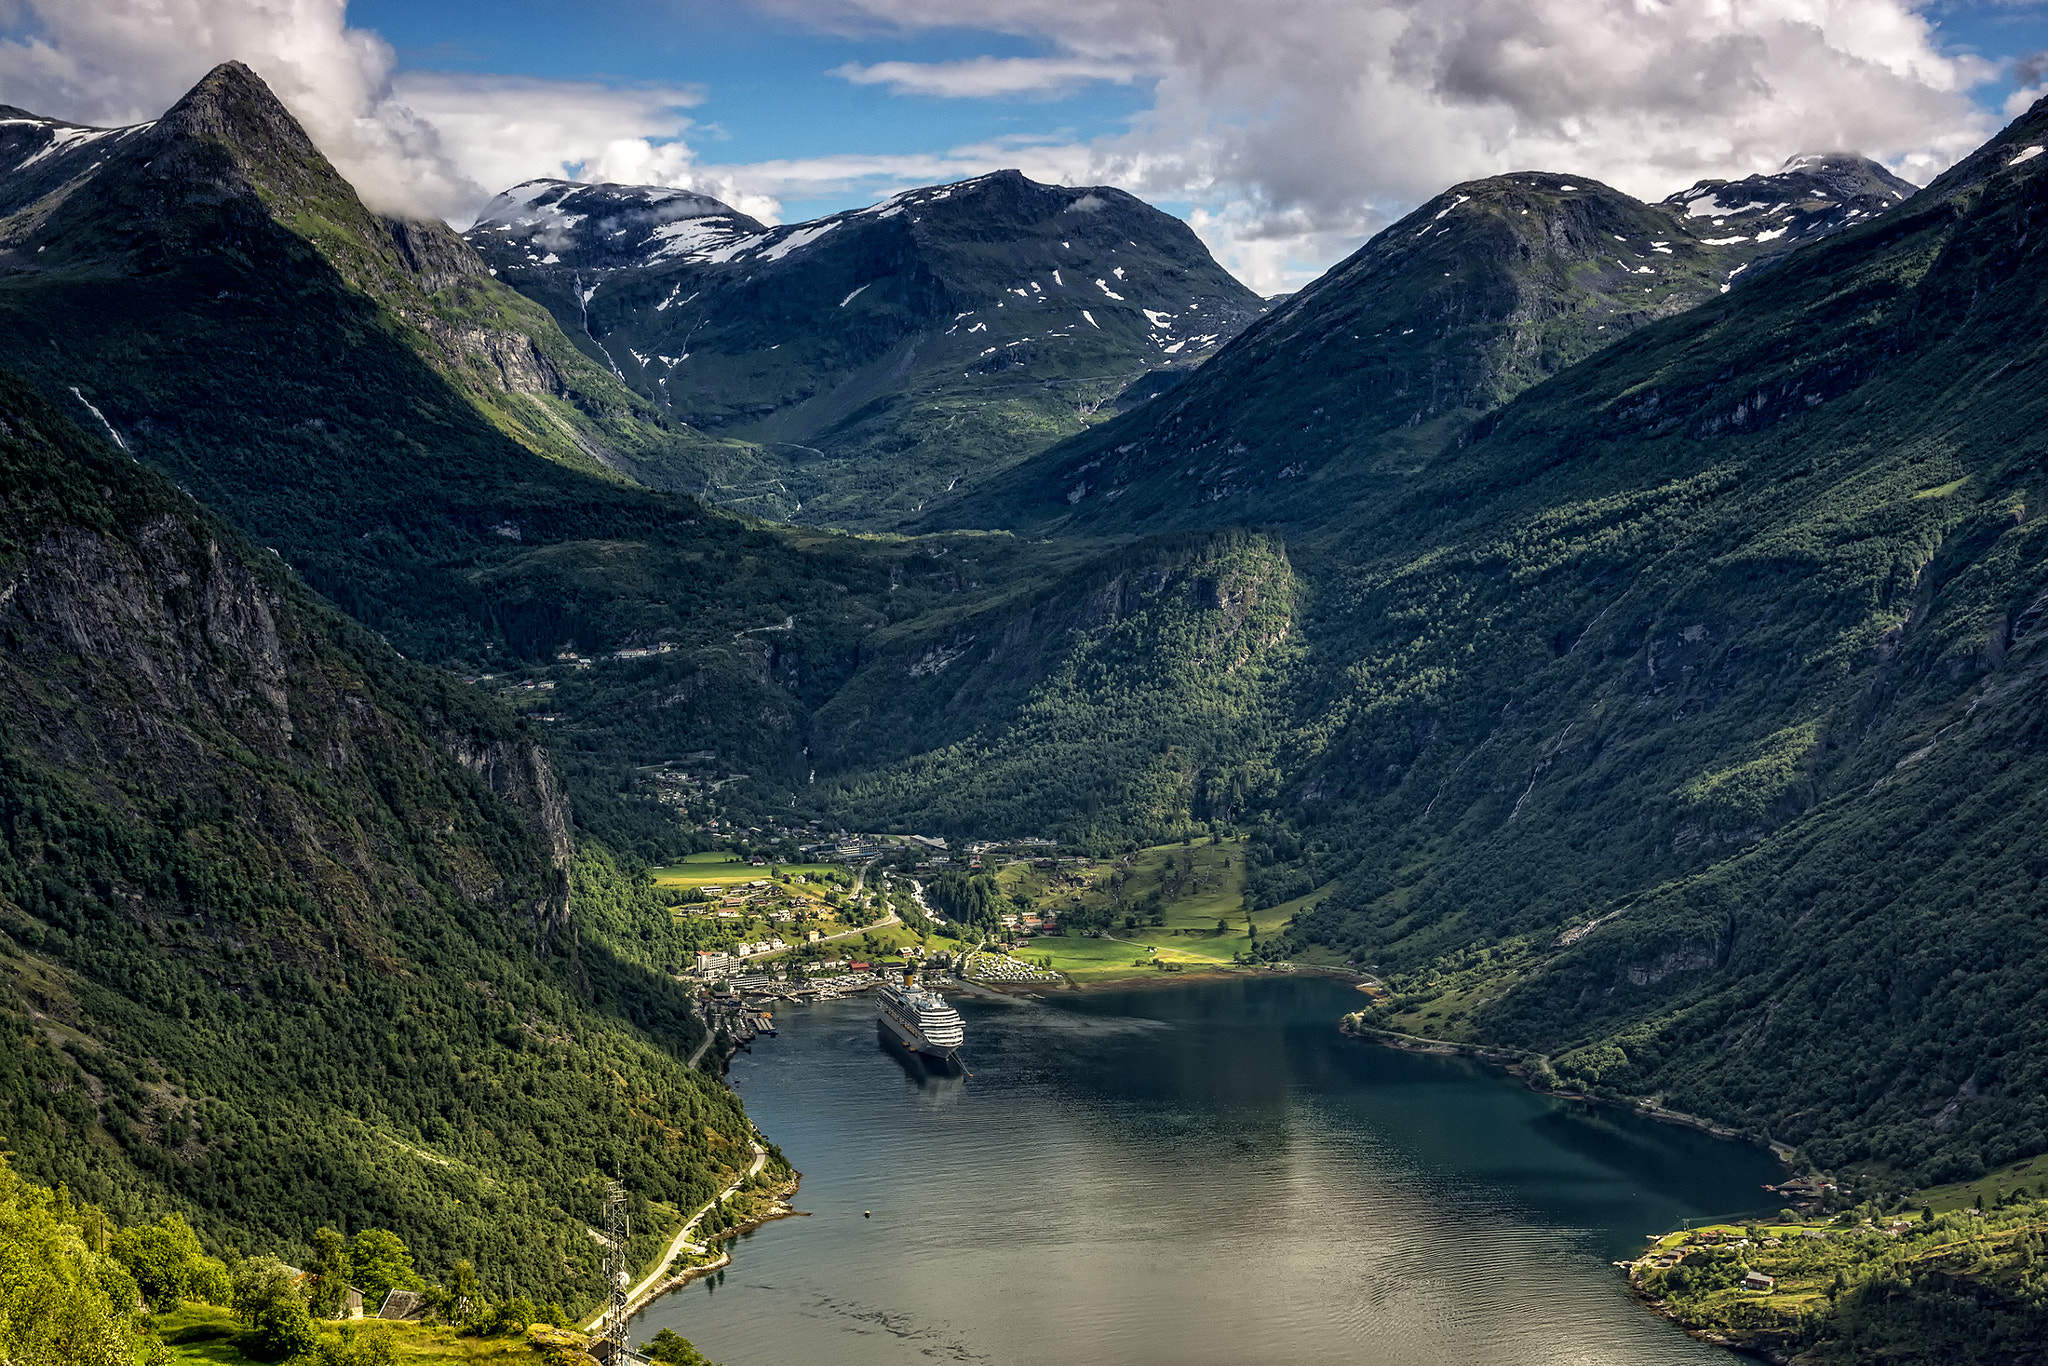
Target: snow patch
{"type": "Point", "coordinates": [1710, 206]}
{"type": "Point", "coordinates": [851, 297]}
{"type": "Point", "coordinates": [1454, 204]}
{"type": "Point", "coordinates": [1103, 285]}
{"type": "Point", "coordinates": [2028, 155]}
{"type": "Point", "coordinates": [64, 139]}
{"type": "Point", "coordinates": [802, 237]}
{"type": "Point", "coordinates": [1091, 320]}
{"type": "Point", "coordinates": [1155, 317]}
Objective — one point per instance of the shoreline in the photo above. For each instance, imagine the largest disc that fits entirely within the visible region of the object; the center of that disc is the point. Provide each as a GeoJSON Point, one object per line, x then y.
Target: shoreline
{"type": "Point", "coordinates": [1156, 979]}
{"type": "Point", "coordinates": [644, 1298]}
{"type": "Point", "coordinates": [1518, 1063]}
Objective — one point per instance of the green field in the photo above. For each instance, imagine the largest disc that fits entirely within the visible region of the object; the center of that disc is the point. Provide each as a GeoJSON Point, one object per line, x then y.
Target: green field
{"type": "Point", "coordinates": [1197, 886]}
{"type": "Point", "coordinates": [206, 1335]}
{"type": "Point", "coordinates": [723, 870]}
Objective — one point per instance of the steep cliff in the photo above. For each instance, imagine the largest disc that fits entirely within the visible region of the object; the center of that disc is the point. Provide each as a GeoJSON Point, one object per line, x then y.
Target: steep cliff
{"type": "Point", "coordinates": [284, 926]}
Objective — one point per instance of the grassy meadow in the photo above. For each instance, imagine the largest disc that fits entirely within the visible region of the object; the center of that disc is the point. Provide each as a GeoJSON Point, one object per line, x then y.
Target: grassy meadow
{"type": "Point", "coordinates": [207, 1335]}
{"type": "Point", "coordinates": [1178, 893]}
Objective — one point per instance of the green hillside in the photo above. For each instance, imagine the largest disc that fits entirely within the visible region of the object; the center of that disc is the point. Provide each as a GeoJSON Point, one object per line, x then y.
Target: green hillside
{"type": "Point", "coordinates": [1725, 640]}
{"type": "Point", "coordinates": [286, 936]}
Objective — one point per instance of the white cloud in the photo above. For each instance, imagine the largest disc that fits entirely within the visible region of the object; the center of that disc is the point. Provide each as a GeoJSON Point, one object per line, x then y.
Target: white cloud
{"type": "Point", "coordinates": [1295, 127]}
{"type": "Point", "coordinates": [410, 142]}
{"type": "Point", "coordinates": [987, 77]}
{"type": "Point", "coordinates": [1299, 124]}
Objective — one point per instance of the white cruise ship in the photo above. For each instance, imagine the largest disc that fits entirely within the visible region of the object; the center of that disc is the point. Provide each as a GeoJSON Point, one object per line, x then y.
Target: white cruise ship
{"type": "Point", "coordinates": [921, 1020]}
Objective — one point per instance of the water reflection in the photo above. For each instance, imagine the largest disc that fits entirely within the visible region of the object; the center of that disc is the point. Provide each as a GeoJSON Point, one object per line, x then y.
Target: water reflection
{"type": "Point", "coordinates": [1203, 1175]}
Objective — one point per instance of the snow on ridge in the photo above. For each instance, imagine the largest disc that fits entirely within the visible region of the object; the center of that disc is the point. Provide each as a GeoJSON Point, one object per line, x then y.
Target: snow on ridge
{"type": "Point", "coordinates": [801, 237]}
{"type": "Point", "coordinates": [67, 137]}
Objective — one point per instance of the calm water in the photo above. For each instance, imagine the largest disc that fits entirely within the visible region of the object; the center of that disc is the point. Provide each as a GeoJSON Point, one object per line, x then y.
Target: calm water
{"type": "Point", "coordinates": [1208, 1174]}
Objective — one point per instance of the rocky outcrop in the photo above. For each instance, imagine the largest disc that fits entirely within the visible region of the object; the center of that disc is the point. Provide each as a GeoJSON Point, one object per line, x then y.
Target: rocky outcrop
{"type": "Point", "coordinates": [169, 675]}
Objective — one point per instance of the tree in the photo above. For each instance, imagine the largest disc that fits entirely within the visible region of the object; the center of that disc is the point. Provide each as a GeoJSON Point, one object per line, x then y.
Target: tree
{"type": "Point", "coordinates": [260, 1284]}
{"type": "Point", "coordinates": [284, 1330]}
{"type": "Point", "coordinates": [462, 1285]}
{"type": "Point", "coordinates": [331, 1273]}
{"type": "Point", "coordinates": [167, 1262]}
{"type": "Point", "coordinates": [671, 1348]}
{"type": "Point", "coordinates": [381, 1264]}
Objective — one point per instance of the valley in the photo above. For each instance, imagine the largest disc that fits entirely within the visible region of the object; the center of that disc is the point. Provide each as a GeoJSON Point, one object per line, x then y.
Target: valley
{"type": "Point", "coordinates": [1608, 631]}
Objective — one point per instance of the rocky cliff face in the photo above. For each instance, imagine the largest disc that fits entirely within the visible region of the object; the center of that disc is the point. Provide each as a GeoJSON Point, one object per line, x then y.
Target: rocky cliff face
{"type": "Point", "coordinates": [155, 668]}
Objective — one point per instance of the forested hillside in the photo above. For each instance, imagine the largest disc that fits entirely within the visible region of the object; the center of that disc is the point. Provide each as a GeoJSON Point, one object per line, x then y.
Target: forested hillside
{"type": "Point", "coordinates": [1134, 700]}
{"type": "Point", "coordinates": [285, 926]}
{"type": "Point", "coordinates": [1721, 647]}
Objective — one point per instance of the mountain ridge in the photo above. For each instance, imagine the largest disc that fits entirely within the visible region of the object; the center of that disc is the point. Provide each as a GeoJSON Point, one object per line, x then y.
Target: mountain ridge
{"type": "Point", "coordinates": [1480, 292]}
{"type": "Point", "coordinates": [893, 350]}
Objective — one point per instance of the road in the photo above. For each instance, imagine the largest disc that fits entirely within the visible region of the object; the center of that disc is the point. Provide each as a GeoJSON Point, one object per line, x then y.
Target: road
{"type": "Point", "coordinates": [681, 1242]}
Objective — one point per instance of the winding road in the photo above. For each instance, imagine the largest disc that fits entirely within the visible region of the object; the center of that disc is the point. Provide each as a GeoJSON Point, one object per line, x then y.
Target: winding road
{"type": "Point", "coordinates": [681, 1242]}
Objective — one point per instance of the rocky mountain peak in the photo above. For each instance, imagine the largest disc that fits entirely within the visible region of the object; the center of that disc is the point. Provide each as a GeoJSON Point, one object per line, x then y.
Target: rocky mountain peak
{"type": "Point", "coordinates": [604, 226]}
{"type": "Point", "coordinates": [1813, 194]}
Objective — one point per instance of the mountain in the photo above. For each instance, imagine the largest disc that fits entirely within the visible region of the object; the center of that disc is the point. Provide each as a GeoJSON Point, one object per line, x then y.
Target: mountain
{"type": "Point", "coordinates": [210, 293]}
{"type": "Point", "coordinates": [1483, 291]}
{"type": "Point", "coordinates": [286, 927]}
{"type": "Point", "coordinates": [884, 355]}
{"type": "Point", "coordinates": [1680, 724]}
{"type": "Point", "coordinates": [178, 231]}
{"type": "Point", "coordinates": [357, 394]}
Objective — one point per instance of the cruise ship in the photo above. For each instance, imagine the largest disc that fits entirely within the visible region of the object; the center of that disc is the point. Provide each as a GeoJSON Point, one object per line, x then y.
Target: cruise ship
{"type": "Point", "coordinates": [920, 1020]}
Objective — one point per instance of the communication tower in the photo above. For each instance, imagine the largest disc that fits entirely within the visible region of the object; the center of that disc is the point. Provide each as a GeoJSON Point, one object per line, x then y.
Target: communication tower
{"type": "Point", "coordinates": [618, 1269]}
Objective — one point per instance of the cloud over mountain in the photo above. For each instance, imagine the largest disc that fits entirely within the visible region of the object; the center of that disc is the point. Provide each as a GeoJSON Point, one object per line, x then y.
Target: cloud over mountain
{"type": "Point", "coordinates": [1294, 121]}
{"type": "Point", "coordinates": [1293, 127]}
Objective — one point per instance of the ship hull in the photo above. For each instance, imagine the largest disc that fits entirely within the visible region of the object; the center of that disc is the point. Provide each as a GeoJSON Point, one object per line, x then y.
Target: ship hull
{"type": "Point", "coordinates": [909, 1038]}
{"type": "Point", "coordinates": [929, 1060]}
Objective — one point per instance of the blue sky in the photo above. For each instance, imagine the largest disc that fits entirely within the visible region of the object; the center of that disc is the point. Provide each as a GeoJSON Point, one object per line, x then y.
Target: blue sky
{"type": "Point", "coordinates": [1286, 131]}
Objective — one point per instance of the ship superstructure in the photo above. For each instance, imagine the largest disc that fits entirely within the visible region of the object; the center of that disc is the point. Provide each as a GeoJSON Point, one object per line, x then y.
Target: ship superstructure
{"type": "Point", "coordinates": [920, 1019]}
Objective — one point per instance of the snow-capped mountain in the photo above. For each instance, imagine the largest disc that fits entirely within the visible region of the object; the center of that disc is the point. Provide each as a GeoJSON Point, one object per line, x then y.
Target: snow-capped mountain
{"type": "Point", "coordinates": [1815, 194]}
{"type": "Point", "coordinates": [608, 227]}
{"type": "Point", "coordinates": [890, 352]}
{"type": "Point", "coordinates": [1480, 293]}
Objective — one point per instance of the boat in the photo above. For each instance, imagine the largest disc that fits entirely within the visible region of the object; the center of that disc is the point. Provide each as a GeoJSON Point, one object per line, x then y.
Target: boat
{"type": "Point", "coordinates": [920, 1019]}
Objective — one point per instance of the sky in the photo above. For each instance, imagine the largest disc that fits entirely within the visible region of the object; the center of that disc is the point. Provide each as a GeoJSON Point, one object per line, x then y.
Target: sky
{"type": "Point", "coordinates": [1285, 131]}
